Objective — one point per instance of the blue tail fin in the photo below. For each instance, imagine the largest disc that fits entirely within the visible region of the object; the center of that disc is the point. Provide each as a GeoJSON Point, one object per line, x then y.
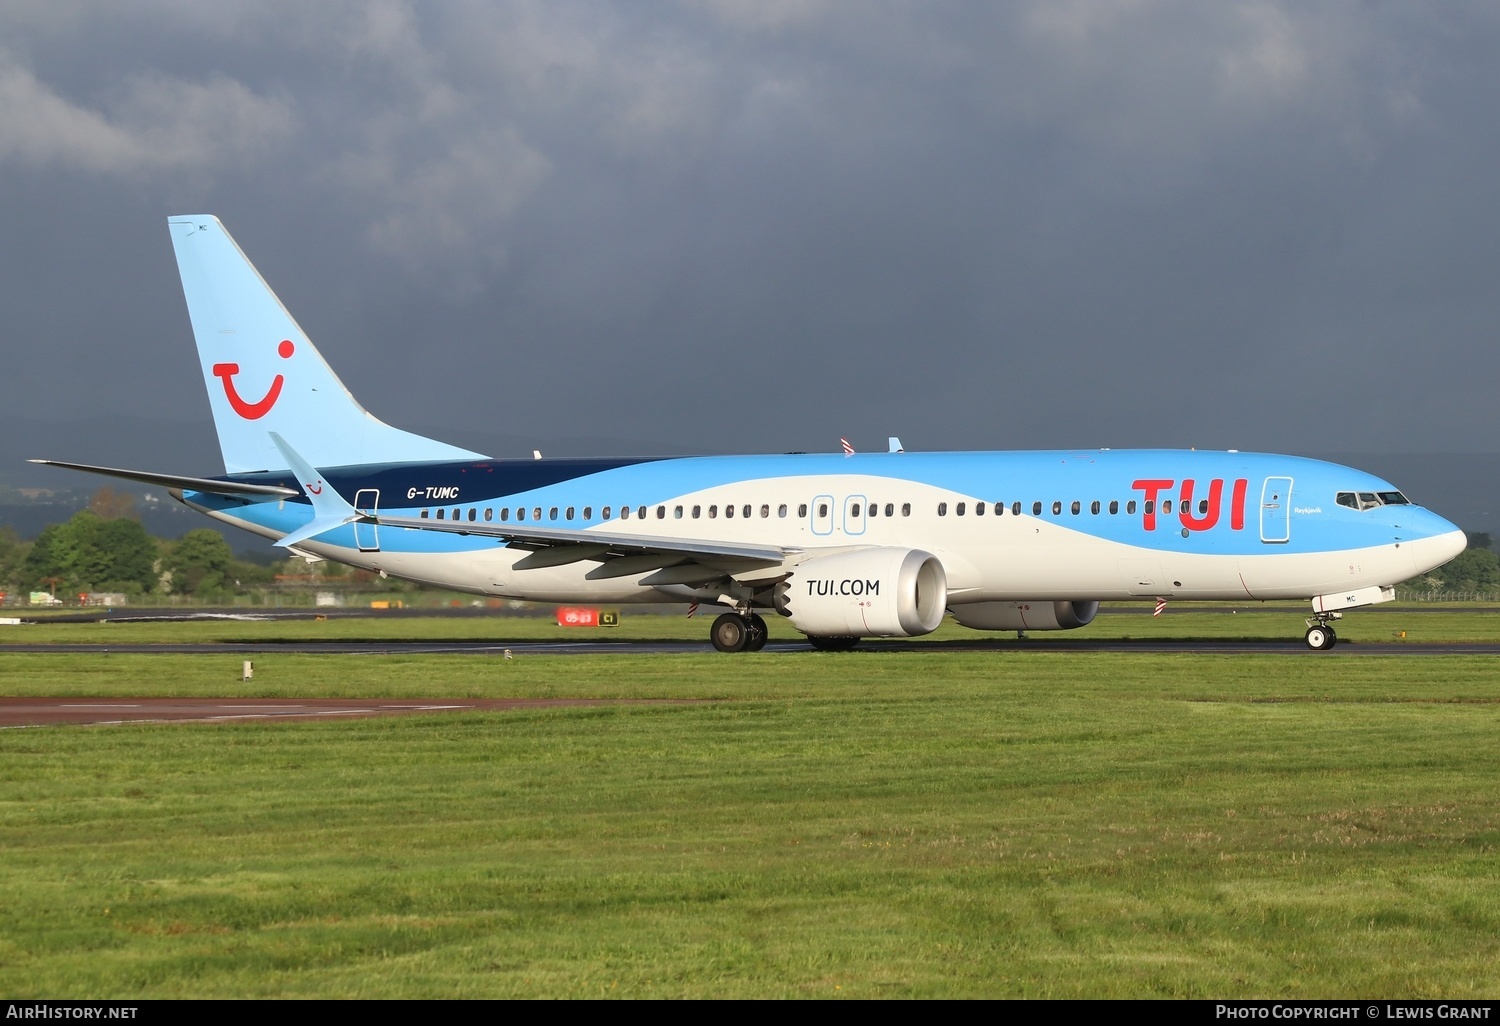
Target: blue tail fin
{"type": "Point", "coordinates": [264, 375]}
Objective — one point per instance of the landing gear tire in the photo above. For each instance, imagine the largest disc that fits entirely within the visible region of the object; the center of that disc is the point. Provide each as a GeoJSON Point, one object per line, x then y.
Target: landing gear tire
{"type": "Point", "coordinates": [730, 633]}
{"type": "Point", "coordinates": [827, 644]}
{"type": "Point", "coordinates": [1321, 639]}
{"type": "Point", "coordinates": [759, 633]}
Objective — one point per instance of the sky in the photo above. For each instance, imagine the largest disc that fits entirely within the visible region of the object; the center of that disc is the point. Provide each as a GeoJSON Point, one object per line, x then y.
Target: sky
{"type": "Point", "coordinates": [734, 226]}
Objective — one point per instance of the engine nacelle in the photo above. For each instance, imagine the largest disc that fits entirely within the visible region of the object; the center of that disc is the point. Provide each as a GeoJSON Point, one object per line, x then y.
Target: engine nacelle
{"type": "Point", "coordinates": [1025, 616]}
{"type": "Point", "coordinates": [875, 592]}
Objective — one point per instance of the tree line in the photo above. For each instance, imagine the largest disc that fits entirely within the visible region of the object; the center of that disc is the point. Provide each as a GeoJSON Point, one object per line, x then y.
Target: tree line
{"type": "Point", "coordinates": [104, 548]}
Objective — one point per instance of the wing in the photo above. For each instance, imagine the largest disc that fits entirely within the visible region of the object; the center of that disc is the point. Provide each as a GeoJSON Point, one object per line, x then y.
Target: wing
{"type": "Point", "coordinates": [676, 560]}
{"type": "Point", "coordinates": [195, 484]}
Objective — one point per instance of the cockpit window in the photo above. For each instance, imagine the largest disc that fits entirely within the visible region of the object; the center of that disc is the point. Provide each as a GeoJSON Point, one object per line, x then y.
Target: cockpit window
{"type": "Point", "coordinates": [1371, 500]}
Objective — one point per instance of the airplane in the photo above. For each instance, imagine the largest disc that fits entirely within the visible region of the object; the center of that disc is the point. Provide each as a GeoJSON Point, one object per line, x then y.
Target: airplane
{"type": "Point", "coordinates": [843, 545]}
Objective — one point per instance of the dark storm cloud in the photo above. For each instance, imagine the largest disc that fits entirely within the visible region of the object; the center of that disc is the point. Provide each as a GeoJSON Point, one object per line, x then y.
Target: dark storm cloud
{"type": "Point", "coordinates": [742, 226]}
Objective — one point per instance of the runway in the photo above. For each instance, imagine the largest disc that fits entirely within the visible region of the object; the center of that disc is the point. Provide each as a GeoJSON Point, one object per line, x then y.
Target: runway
{"type": "Point", "coordinates": [561, 647]}
{"type": "Point", "coordinates": [40, 712]}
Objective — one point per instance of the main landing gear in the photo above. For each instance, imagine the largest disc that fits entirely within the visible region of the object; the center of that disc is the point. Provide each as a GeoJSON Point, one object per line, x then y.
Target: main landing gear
{"type": "Point", "coordinates": [739, 632]}
{"type": "Point", "coordinates": [1320, 636]}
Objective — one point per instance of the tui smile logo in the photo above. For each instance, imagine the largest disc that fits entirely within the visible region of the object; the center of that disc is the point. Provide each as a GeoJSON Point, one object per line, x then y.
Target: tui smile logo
{"type": "Point", "coordinates": [262, 406]}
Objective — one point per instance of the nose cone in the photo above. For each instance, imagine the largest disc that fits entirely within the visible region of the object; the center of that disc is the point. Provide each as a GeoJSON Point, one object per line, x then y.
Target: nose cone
{"type": "Point", "coordinates": [1441, 541]}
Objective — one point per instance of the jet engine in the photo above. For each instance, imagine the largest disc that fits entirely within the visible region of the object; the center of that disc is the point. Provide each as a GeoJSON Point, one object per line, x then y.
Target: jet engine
{"type": "Point", "coordinates": [874, 592]}
{"type": "Point", "coordinates": [1025, 616]}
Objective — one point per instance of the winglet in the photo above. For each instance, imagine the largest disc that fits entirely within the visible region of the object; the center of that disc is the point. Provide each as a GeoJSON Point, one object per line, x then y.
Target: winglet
{"type": "Point", "coordinates": [330, 510]}
{"type": "Point", "coordinates": [894, 444]}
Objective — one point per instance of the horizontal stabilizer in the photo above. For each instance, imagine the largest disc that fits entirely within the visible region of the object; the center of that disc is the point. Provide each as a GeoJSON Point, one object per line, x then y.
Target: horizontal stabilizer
{"type": "Point", "coordinates": [187, 484]}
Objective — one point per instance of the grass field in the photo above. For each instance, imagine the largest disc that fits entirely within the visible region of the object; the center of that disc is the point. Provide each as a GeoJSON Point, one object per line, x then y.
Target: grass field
{"type": "Point", "coordinates": [1022, 822]}
{"type": "Point", "coordinates": [1385, 625]}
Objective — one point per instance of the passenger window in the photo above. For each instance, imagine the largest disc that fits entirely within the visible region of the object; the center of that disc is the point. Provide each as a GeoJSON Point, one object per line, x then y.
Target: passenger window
{"type": "Point", "coordinates": [765, 511]}
{"type": "Point", "coordinates": [604, 513]}
{"type": "Point", "coordinates": [822, 509]}
{"type": "Point", "coordinates": [1166, 506]}
{"type": "Point", "coordinates": [424, 514]}
{"type": "Point", "coordinates": [713, 512]}
{"type": "Point", "coordinates": [441, 514]}
{"type": "Point", "coordinates": [1130, 507]}
{"type": "Point", "coordinates": [552, 513]}
{"type": "Point", "coordinates": [588, 512]}
{"type": "Point", "coordinates": [1076, 508]}
{"type": "Point", "coordinates": [1036, 509]}
{"type": "Point", "coordinates": [1150, 505]}
{"type": "Point", "coordinates": [874, 510]}
{"type": "Point", "coordinates": [1114, 507]}
{"type": "Point", "coordinates": [728, 510]}
{"type": "Point", "coordinates": [568, 513]}
{"type": "Point", "coordinates": [906, 509]}
{"type": "Point", "coordinates": [854, 509]}
{"type": "Point", "coordinates": [504, 512]}
{"type": "Point", "coordinates": [489, 514]}
{"type": "Point", "coordinates": [1015, 509]}
{"type": "Point", "coordinates": [641, 512]}
{"type": "Point", "coordinates": [801, 509]}
{"type": "Point", "coordinates": [979, 509]}
{"type": "Point", "coordinates": [959, 509]}
{"type": "Point", "coordinates": [624, 512]}
{"type": "Point", "coordinates": [1056, 508]}
{"type": "Point", "coordinates": [942, 509]}
{"type": "Point", "coordinates": [890, 509]}
{"type": "Point", "coordinates": [697, 512]}
{"type": "Point", "coordinates": [1202, 507]}
{"type": "Point", "coordinates": [473, 514]}
{"type": "Point", "coordinates": [455, 513]}
{"type": "Point", "coordinates": [676, 512]}
{"type": "Point", "coordinates": [746, 511]}
{"type": "Point", "coordinates": [1094, 507]}
{"type": "Point", "coordinates": [781, 510]}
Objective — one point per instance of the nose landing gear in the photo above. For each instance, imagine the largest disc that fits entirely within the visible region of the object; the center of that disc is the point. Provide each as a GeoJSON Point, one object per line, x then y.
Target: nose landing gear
{"type": "Point", "coordinates": [1320, 636]}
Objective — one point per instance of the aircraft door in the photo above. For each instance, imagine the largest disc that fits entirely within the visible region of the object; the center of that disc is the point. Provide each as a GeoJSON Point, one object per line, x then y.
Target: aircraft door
{"type": "Point", "coordinates": [1276, 510]}
{"type": "Point", "coordinates": [854, 514]}
{"type": "Point", "coordinates": [367, 536]}
{"type": "Point", "coordinates": [822, 514]}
